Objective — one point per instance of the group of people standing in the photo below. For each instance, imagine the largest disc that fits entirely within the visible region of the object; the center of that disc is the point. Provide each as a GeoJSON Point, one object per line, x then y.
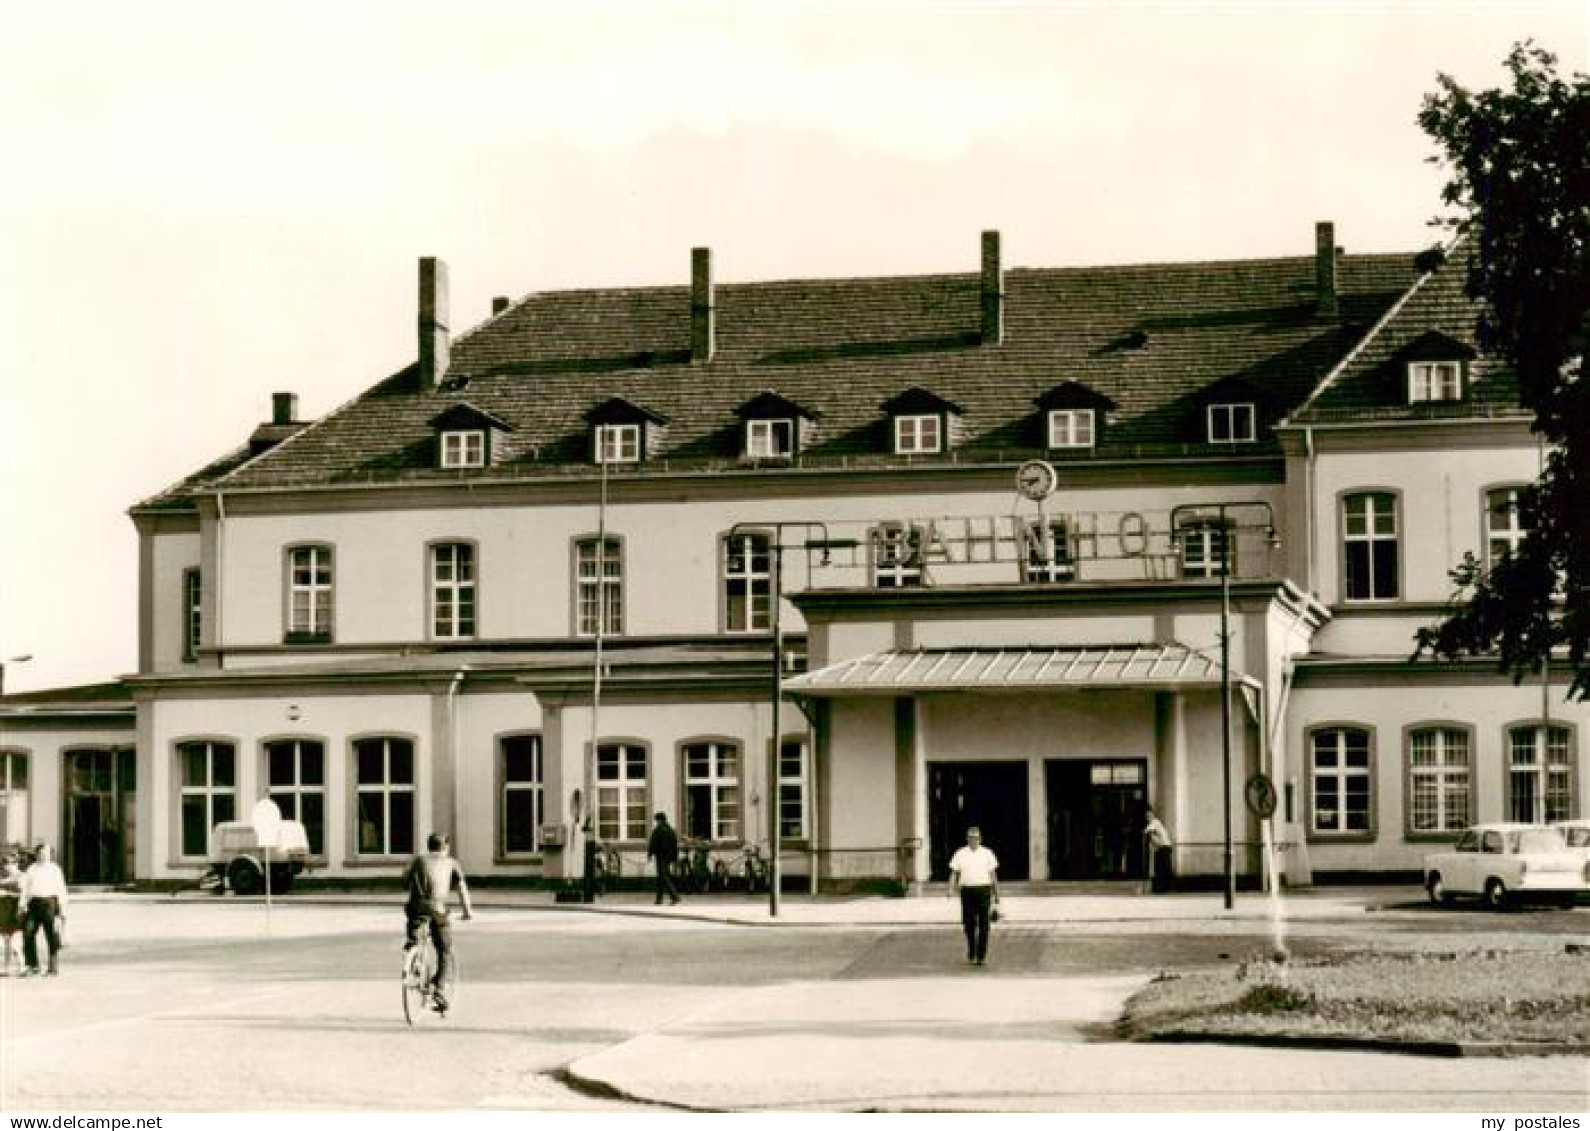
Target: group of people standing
{"type": "Point", "coordinates": [33, 901]}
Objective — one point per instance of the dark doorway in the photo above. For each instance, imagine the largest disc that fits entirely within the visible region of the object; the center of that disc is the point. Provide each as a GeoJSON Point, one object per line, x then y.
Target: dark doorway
{"type": "Point", "coordinates": [1096, 818]}
{"type": "Point", "coordinates": [991, 795]}
{"type": "Point", "coordinates": [101, 800]}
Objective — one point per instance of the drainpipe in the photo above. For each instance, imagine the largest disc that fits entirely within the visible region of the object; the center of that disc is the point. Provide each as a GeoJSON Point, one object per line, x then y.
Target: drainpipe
{"type": "Point", "coordinates": [220, 571]}
{"type": "Point", "coordinates": [1310, 507]}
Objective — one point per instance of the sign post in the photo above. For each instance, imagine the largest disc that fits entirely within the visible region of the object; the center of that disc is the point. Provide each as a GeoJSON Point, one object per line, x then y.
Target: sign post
{"type": "Point", "coordinates": [267, 817]}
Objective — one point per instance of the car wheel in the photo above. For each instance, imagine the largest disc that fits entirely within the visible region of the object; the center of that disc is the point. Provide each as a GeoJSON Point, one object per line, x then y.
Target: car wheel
{"type": "Point", "coordinates": [1496, 897]}
{"type": "Point", "coordinates": [244, 877]}
{"type": "Point", "coordinates": [1436, 887]}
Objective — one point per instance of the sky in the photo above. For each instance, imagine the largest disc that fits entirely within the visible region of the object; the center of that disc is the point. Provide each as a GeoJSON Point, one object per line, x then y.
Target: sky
{"type": "Point", "coordinates": [206, 203]}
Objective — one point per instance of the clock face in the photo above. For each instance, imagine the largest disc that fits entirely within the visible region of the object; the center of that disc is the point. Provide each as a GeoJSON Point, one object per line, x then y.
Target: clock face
{"type": "Point", "coordinates": [1036, 479]}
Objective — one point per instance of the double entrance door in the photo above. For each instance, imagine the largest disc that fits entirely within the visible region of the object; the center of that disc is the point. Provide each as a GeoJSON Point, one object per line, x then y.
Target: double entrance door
{"type": "Point", "coordinates": [1096, 811]}
{"type": "Point", "coordinates": [101, 804]}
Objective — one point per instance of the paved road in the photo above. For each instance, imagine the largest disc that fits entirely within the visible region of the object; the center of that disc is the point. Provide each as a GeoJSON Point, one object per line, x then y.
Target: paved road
{"type": "Point", "coordinates": [184, 1005]}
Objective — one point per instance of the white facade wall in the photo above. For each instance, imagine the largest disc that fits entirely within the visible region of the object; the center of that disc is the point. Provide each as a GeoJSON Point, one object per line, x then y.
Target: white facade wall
{"type": "Point", "coordinates": [173, 555]}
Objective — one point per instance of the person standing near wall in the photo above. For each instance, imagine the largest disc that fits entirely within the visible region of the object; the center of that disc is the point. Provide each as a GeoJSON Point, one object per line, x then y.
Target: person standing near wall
{"type": "Point", "coordinates": [973, 873]}
{"type": "Point", "coordinates": [1161, 860]}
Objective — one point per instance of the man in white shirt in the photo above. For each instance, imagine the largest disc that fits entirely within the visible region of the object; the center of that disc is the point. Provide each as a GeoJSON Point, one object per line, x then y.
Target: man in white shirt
{"type": "Point", "coordinates": [43, 902]}
{"type": "Point", "coordinates": [973, 871]}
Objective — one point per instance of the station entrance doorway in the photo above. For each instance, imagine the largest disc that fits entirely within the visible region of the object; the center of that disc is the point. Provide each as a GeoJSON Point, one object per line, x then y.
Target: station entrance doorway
{"type": "Point", "coordinates": [1095, 824]}
{"type": "Point", "coordinates": [991, 795]}
{"type": "Point", "coordinates": [101, 806]}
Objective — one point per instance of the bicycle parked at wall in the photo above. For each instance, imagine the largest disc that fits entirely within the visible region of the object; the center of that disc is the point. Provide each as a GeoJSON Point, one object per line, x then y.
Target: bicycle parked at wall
{"type": "Point", "coordinates": [693, 871]}
{"type": "Point", "coordinates": [606, 867]}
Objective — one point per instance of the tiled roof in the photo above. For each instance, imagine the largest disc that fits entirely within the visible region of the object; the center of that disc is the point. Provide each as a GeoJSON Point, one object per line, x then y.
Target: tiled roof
{"type": "Point", "coordinates": [1370, 383]}
{"type": "Point", "coordinates": [1147, 337]}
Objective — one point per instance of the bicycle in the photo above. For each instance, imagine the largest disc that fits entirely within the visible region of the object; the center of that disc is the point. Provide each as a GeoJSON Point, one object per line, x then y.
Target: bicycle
{"type": "Point", "coordinates": [419, 974]}
{"type": "Point", "coordinates": [606, 868]}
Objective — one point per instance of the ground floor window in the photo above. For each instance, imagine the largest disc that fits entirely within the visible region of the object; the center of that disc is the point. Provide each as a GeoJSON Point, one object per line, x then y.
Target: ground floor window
{"type": "Point", "coordinates": [792, 790]}
{"type": "Point", "coordinates": [15, 827]}
{"type": "Point", "coordinates": [712, 791]}
{"type": "Point", "coordinates": [1339, 780]}
{"type": "Point", "coordinates": [207, 777]}
{"type": "Point", "coordinates": [295, 771]}
{"type": "Point", "coordinates": [1440, 781]}
{"type": "Point", "coordinates": [521, 813]}
{"type": "Point", "coordinates": [621, 792]}
{"type": "Point", "coordinates": [384, 796]}
{"type": "Point", "coordinates": [1539, 774]}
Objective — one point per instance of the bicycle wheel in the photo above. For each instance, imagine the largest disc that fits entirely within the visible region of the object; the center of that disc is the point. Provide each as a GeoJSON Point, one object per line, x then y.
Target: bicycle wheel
{"type": "Point", "coordinates": [417, 967]}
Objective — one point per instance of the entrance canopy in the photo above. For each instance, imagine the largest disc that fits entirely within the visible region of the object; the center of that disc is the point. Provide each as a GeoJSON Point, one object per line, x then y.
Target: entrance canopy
{"type": "Point", "coordinates": [903, 671]}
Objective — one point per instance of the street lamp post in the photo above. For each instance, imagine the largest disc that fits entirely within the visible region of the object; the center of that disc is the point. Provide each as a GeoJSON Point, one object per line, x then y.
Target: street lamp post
{"type": "Point", "coordinates": [1224, 530]}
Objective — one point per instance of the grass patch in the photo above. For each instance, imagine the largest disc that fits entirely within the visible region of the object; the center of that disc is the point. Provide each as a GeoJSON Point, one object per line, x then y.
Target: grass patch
{"type": "Point", "coordinates": [1485, 995]}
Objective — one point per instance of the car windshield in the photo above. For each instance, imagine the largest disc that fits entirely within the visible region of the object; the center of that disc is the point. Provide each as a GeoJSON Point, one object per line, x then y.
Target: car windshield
{"type": "Point", "coordinates": [1540, 840]}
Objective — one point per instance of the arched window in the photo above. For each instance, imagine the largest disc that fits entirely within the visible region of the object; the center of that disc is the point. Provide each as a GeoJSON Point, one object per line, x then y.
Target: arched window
{"type": "Point", "coordinates": [1370, 546]}
{"type": "Point", "coordinates": [207, 791]}
{"type": "Point", "coordinates": [1339, 781]}
{"type": "Point", "coordinates": [1539, 773]}
{"type": "Point", "coordinates": [1440, 780]}
{"type": "Point", "coordinates": [712, 791]}
{"type": "Point", "coordinates": [384, 796]}
{"type": "Point", "coordinates": [295, 773]}
{"type": "Point", "coordinates": [622, 791]}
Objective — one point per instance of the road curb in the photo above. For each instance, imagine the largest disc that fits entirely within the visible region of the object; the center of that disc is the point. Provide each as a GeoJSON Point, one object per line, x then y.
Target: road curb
{"type": "Point", "coordinates": [1445, 1049]}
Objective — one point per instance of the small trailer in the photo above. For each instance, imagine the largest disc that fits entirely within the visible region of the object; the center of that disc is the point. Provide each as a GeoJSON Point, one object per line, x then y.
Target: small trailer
{"type": "Point", "coordinates": [237, 862]}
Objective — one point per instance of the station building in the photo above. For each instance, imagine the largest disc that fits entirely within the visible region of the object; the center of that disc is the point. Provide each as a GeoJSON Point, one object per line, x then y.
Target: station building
{"type": "Point", "coordinates": [1035, 549]}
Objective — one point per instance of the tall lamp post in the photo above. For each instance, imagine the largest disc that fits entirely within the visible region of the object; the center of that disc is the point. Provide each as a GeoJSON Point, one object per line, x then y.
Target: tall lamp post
{"type": "Point", "coordinates": [11, 660]}
{"type": "Point", "coordinates": [1224, 530]}
{"type": "Point", "coordinates": [774, 531]}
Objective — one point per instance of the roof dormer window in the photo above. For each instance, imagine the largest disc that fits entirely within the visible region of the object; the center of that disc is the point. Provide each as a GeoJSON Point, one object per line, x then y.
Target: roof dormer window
{"type": "Point", "coordinates": [1435, 381]}
{"type": "Point", "coordinates": [464, 448]}
{"type": "Point", "coordinates": [918, 434]}
{"type": "Point", "coordinates": [770, 439]}
{"type": "Point", "coordinates": [922, 422]}
{"type": "Point", "coordinates": [1232, 423]}
{"type": "Point", "coordinates": [468, 437]}
{"type": "Point", "coordinates": [618, 443]}
{"type": "Point", "coordinates": [1071, 428]}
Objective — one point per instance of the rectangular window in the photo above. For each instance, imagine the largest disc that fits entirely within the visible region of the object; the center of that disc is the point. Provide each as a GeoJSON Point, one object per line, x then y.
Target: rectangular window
{"type": "Point", "coordinates": [1339, 779]}
{"type": "Point", "coordinates": [916, 435]}
{"type": "Point", "coordinates": [192, 594]}
{"type": "Point", "coordinates": [769, 439]}
{"type": "Point", "coordinates": [522, 794]}
{"type": "Point", "coordinates": [1435, 381]}
{"type": "Point", "coordinates": [747, 582]}
{"type": "Point", "coordinates": [1370, 546]}
{"type": "Point", "coordinates": [464, 449]}
{"type": "Point", "coordinates": [1439, 780]}
{"type": "Point", "coordinates": [384, 796]}
{"type": "Point", "coordinates": [1207, 548]}
{"type": "Point", "coordinates": [621, 792]}
{"type": "Point", "coordinates": [1048, 557]}
{"type": "Point", "coordinates": [207, 791]}
{"type": "Point", "coordinates": [896, 555]}
{"type": "Point", "coordinates": [792, 789]}
{"type": "Point", "coordinates": [1231, 424]}
{"type": "Point", "coordinates": [309, 593]}
{"type": "Point", "coordinates": [1539, 774]}
{"type": "Point", "coordinates": [618, 443]}
{"type": "Point", "coordinates": [1504, 524]}
{"type": "Point", "coordinates": [712, 791]}
{"type": "Point", "coordinates": [16, 826]}
{"type": "Point", "coordinates": [453, 591]}
{"type": "Point", "coordinates": [599, 587]}
{"type": "Point", "coordinates": [296, 772]}
{"type": "Point", "coordinates": [1071, 428]}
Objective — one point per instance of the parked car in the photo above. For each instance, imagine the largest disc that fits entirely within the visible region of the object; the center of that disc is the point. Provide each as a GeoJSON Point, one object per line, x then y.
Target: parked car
{"type": "Point", "coordinates": [238, 862]}
{"type": "Point", "coordinates": [1504, 863]}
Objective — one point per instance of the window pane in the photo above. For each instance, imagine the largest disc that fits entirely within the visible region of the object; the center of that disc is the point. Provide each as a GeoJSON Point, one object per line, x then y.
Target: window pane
{"type": "Point", "coordinates": [221, 766]}
{"type": "Point", "coordinates": [372, 822]}
{"type": "Point", "coordinates": [520, 819]}
{"type": "Point", "coordinates": [402, 761]}
{"type": "Point", "coordinates": [402, 835]}
{"type": "Point", "coordinates": [195, 827]}
{"type": "Point", "coordinates": [370, 755]}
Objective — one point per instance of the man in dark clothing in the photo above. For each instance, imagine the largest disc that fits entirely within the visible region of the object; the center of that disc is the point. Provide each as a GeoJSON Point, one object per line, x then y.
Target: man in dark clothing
{"type": "Point", "coordinates": [663, 847]}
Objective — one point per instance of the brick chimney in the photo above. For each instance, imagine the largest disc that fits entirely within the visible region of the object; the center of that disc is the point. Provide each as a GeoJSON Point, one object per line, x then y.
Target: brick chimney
{"type": "Point", "coordinates": [435, 342]}
{"type": "Point", "coordinates": [284, 408]}
{"type": "Point", "coordinates": [499, 304]}
{"type": "Point", "coordinates": [993, 289]}
{"type": "Point", "coordinates": [1326, 305]}
{"type": "Point", "coordinates": [703, 314]}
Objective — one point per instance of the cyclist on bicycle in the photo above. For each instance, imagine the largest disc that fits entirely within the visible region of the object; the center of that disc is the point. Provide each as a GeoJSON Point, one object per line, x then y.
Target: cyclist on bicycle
{"type": "Point", "coordinates": [428, 880]}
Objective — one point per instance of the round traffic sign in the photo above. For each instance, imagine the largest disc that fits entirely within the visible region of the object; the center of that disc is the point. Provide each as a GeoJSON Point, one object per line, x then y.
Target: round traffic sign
{"type": "Point", "coordinates": [1260, 795]}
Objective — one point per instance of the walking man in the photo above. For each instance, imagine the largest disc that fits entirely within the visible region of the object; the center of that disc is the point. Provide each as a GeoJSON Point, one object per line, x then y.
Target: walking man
{"type": "Point", "coordinates": [973, 871]}
{"type": "Point", "coordinates": [43, 902]}
{"type": "Point", "coordinates": [663, 847]}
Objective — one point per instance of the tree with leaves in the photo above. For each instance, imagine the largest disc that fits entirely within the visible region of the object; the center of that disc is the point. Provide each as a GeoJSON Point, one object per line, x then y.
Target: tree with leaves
{"type": "Point", "coordinates": [1519, 187]}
